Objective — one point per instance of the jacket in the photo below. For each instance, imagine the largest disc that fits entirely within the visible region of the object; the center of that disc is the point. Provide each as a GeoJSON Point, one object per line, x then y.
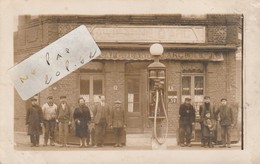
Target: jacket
{"type": "Point", "coordinates": [64, 115]}
{"type": "Point", "coordinates": [187, 114]}
{"type": "Point", "coordinates": [226, 115]}
{"type": "Point", "coordinates": [117, 117]}
{"type": "Point", "coordinates": [97, 112]}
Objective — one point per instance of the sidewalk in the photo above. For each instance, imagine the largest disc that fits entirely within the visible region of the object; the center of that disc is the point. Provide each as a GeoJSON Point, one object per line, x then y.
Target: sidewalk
{"type": "Point", "coordinates": [22, 142]}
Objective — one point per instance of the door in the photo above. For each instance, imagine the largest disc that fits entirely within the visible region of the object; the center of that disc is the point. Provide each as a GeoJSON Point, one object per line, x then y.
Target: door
{"type": "Point", "coordinates": [193, 87]}
{"type": "Point", "coordinates": [133, 105]}
{"type": "Point", "coordinates": [91, 88]}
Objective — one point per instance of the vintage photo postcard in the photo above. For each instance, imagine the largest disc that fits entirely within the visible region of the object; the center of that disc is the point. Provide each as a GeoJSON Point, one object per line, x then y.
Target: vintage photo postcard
{"type": "Point", "coordinates": [120, 84]}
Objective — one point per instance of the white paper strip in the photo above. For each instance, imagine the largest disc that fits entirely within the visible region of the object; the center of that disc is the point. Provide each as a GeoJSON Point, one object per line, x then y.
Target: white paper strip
{"type": "Point", "coordinates": [54, 62]}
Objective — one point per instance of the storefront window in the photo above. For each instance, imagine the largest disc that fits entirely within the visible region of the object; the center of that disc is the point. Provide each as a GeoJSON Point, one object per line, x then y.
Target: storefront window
{"type": "Point", "coordinates": [84, 87]}
{"type": "Point", "coordinates": [199, 87]}
{"type": "Point", "coordinates": [133, 95]}
{"type": "Point", "coordinates": [186, 85]}
{"type": "Point", "coordinates": [97, 87]}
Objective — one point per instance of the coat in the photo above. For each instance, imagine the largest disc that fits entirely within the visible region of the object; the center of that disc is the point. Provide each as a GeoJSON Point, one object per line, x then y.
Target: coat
{"type": "Point", "coordinates": [82, 114]}
{"type": "Point", "coordinates": [226, 115]}
{"type": "Point", "coordinates": [203, 111]}
{"type": "Point", "coordinates": [117, 117]}
{"type": "Point", "coordinates": [98, 111]}
{"type": "Point", "coordinates": [206, 131]}
{"type": "Point", "coordinates": [34, 118]}
{"type": "Point", "coordinates": [187, 114]}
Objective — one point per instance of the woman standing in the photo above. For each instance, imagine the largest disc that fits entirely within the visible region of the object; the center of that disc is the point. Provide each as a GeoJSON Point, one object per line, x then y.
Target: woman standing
{"type": "Point", "coordinates": [82, 117]}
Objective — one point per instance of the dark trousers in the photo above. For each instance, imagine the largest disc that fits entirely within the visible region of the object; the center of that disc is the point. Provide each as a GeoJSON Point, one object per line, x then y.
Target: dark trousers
{"type": "Point", "coordinates": [185, 133]}
{"type": "Point", "coordinates": [203, 138]}
{"type": "Point", "coordinates": [118, 134]}
{"type": "Point", "coordinates": [34, 139]}
{"type": "Point", "coordinates": [49, 126]}
{"type": "Point", "coordinates": [225, 134]}
{"type": "Point", "coordinates": [100, 132]}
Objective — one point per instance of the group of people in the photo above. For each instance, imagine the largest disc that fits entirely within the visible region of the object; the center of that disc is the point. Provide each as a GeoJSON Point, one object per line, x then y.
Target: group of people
{"type": "Point", "coordinates": [51, 115]}
{"type": "Point", "coordinates": [209, 115]}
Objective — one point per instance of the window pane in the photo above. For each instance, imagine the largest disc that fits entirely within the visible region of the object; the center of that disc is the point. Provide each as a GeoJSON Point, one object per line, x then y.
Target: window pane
{"type": "Point", "coordinates": [97, 87]}
{"type": "Point", "coordinates": [199, 85]}
{"type": "Point", "coordinates": [186, 84]}
{"type": "Point", "coordinates": [133, 94]}
{"type": "Point", "coordinates": [84, 87]}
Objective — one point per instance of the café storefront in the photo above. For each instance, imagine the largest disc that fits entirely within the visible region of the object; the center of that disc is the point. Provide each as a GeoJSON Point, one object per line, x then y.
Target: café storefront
{"type": "Point", "coordinates": [200, 55]}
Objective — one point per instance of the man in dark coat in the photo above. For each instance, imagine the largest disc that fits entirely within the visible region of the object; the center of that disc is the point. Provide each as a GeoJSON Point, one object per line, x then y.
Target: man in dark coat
{"type": "Point", "coordinates": [82, 118]}
{"type": "Point", "coordinates": [187, 118]}
{"type": "Point", "coordinates": [206, 108]}
{"type": "Point", "coordinates": [34, 121]}
{"type": "Point", "coordinates": [226, 122]}
{"type": "Point", "coordinates": [101, 120]}
{"type": "Point", "coordinates": [118, 122]}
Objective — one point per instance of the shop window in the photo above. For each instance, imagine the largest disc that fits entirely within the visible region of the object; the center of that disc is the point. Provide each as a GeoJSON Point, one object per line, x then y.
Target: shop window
{"type": "Point", "coordinates": [97, 87]}
{"type": "Point", "coordinates": [84, 87]}
{"type": "Point", "coordinates": [186, 85]}
{"type": "Point", "coordinates": [133, 98]}
{"type": "Point", "coordinates": [199, 85]}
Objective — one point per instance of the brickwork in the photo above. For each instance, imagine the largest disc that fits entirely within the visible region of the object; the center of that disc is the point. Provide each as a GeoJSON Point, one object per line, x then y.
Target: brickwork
{"type": "Point", "coordinates": [216, 80]}
{"type": "Point", "coordinates": [216, 34]}
{"type": "Point", "coordinates": [114, 81]}
{"type": "Point", "coordinates": [173, 80]}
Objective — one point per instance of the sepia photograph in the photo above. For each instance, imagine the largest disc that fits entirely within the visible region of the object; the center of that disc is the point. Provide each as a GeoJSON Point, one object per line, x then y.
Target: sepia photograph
{"type": "Point", "coordinates": [161, 81]}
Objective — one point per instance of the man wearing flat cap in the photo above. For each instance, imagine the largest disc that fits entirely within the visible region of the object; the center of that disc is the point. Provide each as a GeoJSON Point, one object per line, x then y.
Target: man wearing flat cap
{"type": "Point", "coordinates": [64, 120]}
{"type": "Point", "coordinates": [118, 122]}
{"type": "Point", "coordinates": [226, 121]}
{"type": "Point", "coordinates": [187, 119]}
{"type": "Point", "coordinates": [49, 111]}
{"type": "Point", "coordinates": [34, 121]}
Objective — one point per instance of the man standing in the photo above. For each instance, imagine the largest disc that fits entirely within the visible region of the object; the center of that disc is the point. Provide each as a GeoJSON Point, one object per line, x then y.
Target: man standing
{"type": "Point", "coordinates": [118, 122]}
{"type": "Point", "coordinates": [206, 109]}
{"type": "Point", "coordinates": [34, 121]}
{"type": "Point", "coordinates": [49, 110]}
{"type": "Point", "coordinates": [187, 118]}
{"type": "Point", "coordinates": [64, 119]}
{"type": "Point", "coordinates": [101, 119]}
{"type": "Point", "coordinates": [226, 122]}
{"type": "Point", "coordinates": [82, 118]}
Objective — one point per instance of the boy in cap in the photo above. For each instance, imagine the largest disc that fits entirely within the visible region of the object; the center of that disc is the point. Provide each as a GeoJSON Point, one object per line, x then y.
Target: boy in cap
{"type": "Point", "coordinates": [49, 111]}
{"type": "Point", "coordinates": [118, 122]}
{"type": "Point", "coordinates": [226, 121]}
{"type": "Point", "coordinates": [205, 108]}
{"type": "Point", "coordinates": [64, 120]}
{"type": "Point", "coordinates": [34, 121]}
{"type": "Point", "coordinates": [187, 119]}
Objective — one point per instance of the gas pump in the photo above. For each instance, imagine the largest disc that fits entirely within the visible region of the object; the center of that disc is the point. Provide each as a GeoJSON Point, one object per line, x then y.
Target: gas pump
{"type": "Point", "coordinates": [157, 97]}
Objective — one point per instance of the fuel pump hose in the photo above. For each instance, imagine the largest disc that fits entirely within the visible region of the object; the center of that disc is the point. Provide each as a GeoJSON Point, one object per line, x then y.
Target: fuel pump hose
{"type": "Point", "coordinates": [155, 117]}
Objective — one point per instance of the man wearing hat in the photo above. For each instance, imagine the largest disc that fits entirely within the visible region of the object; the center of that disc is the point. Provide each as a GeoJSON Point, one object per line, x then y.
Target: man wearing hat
{"type": "Point", "coordinates": [101, 120]}
{"type": "Point", "coordinates": [187, 119]}
{"type": "Point", "coordinates": [34, 121]}
{"type": "Point", "coordinates": [226, 121]}
{"type": "Point", "coordinates": [49, 111]}
{"type": "Point", "coordinates": [206, 109]}
{"type": "Point", "coordinates": [118, 122]}
{"type": "Point", "coordinates": [64, 120]}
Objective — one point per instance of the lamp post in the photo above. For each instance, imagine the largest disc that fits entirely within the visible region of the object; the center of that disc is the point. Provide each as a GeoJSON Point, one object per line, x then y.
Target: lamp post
{"type": "Point", "coordinates": [157, 87]}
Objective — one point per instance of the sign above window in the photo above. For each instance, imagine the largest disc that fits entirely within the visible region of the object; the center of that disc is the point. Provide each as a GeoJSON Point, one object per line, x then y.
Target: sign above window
{"type": "Point", "coordinates": [150, 34]}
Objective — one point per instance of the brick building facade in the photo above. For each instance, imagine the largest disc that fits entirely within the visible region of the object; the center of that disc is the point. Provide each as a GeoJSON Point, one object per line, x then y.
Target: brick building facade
{"type": "Point", "coordinates": [201, 55]}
